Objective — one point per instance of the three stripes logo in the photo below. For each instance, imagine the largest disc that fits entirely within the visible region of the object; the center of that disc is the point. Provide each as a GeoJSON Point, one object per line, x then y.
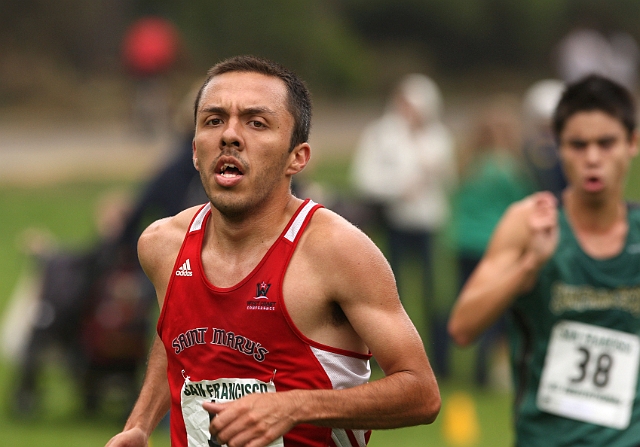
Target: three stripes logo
{"type": "Point", "coordinates": [185, 269]}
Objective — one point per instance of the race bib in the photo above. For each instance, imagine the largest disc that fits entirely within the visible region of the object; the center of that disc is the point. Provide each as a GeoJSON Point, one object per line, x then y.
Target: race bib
{"type": "Point", "coordinates": [197, 419]}
{"type": "Point", "coordinates": [590, 374]}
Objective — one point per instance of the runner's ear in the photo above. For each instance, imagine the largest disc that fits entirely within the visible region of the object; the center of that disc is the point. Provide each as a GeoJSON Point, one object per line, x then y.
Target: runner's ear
{"type": "Point", "coordinates": [298, 158]}
{"type": "Point", "coordinates": [195, 158]}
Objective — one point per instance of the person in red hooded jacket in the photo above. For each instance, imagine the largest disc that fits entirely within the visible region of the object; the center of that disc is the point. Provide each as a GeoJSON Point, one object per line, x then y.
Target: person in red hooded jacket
{"type": "Point", "coordinates": [150, 49]}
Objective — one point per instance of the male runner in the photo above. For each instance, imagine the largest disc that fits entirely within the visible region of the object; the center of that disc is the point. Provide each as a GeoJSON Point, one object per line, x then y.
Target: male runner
{"type": "Point", "coordinates": [271, 305]}
{"type": "Point", "coordinates": [568, 274]}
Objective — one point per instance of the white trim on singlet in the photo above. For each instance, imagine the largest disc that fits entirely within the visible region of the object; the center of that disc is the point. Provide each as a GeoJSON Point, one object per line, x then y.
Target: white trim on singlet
{"type": "Point", "coordinates": [344, 372]}
{"type": "Point", "coordinates": [340, 437]}
{"type": "Point", "coordinates": [293, 230]}
{"type": "Point", "coordinates": [290, 235]}
{"type": "Point", "coordinates": [197, 222]}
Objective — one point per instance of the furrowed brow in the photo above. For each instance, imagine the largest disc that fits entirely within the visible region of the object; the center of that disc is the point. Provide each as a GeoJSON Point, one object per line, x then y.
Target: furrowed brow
{"type": "Point", "coordinates": [213, 109]}
{"type": "Point", "coordinates": [257, 111]}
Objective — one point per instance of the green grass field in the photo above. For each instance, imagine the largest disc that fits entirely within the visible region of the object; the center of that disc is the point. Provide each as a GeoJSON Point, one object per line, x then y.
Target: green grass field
{"type": "Point", "coordinates": [469, 417]}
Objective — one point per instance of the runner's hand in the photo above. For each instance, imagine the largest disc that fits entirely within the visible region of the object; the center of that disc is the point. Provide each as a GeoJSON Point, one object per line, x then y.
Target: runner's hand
{"type": "Point", "coordinates": [255, 420]}
{"type": "Point", "coordinates": [129, 438]}
{"type": "Point", "coordinates": [543, 226]}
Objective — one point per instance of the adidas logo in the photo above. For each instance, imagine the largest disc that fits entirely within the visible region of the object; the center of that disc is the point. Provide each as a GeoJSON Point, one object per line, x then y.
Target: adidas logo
{"type": "Point", "coordinates": [185, 270]}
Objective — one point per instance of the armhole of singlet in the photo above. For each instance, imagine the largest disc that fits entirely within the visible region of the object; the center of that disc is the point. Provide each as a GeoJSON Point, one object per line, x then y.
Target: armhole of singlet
{"type": "Point", "coordinates": [196, 224]}
{"type": "Point", "coordinates": [293, 235]}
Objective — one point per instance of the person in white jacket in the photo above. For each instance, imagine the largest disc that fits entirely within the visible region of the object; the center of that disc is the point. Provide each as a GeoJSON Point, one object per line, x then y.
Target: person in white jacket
{"type": "Point", "coordinates": [405, 164]}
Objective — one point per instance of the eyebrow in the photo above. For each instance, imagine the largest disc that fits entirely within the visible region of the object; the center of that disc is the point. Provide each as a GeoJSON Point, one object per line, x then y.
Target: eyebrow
{"type": "Point", "coordinates": [243, 112]}
{"type": "Point", "coordinates": [582, 141]}
{"type": "Point", "coordinates": [211, 109]}
{"type": "Point", "coordinates": [257, 111]}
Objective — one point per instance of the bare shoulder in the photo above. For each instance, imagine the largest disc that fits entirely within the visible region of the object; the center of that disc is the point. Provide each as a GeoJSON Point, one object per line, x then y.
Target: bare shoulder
{"type": "Point", "coordinates": [168, 229]}
{"type": "Point", "coordinates": [331, 235]}
{"type": "Point", "coordinates": [342, 257]}
{"type": "Point", "coordinates": [160, 242]}
{"type": "Point", "coordinates": [337, 283]}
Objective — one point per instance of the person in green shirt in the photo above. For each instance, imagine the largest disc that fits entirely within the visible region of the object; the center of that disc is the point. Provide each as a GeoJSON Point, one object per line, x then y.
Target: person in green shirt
{"type": "Point", "coordinates": [567, 274]}
{"type": "Point", "coordinates": [492, 177]}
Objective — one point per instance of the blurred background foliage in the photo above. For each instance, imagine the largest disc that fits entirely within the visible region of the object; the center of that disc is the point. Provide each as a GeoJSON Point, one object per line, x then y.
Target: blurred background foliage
{"type": "Point", "coordinates": [342, 48]}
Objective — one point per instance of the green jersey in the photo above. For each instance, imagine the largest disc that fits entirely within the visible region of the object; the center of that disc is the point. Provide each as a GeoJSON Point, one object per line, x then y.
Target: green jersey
{"type": "Point", "coordinates": [575, 342]}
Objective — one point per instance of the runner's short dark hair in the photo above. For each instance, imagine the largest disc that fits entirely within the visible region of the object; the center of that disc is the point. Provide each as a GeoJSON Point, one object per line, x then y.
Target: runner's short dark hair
{"type": "Point", "coordinates": [595, 93]}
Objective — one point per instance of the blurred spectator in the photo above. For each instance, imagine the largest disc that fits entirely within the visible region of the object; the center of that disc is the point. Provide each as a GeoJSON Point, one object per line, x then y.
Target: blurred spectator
{"type": "Point", "coordinates": [150, 48]}
{"type": "Point", "coordinates": [174, 187]}
{"type": "Point", "coordinates": [96, 305]}
{"type": "Point", "coordinates": [625, 58]}
{"type": "Point", "coordinates": [405, 165]}
{"type": "Point", "coordinates": [492, 176]}
{"type": "Point", "coordinates": [539, 148]}
{"type": "Point", "coordinates": [585, 50]}
{"type": "Point", "coordinates": [94, 313]}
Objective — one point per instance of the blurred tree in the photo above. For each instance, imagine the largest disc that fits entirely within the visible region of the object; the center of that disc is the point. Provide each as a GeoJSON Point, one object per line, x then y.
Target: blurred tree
{"type": "Point", "coordinates": [48, 48]}
{"type": "Point", "coordinates": [339, 46]}
{"type": "Point", "coordinates": [308, 37]}
{"type": "Point", "coordinates": [83, 34]}
{"type": "Point", "coordinates": [467, 35]}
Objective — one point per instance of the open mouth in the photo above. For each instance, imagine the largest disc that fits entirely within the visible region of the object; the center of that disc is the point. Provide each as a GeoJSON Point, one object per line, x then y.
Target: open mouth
{"type": "Point", "coordinates": [229, 170]}
{"type": "Point", "coordinates": [593, 183]}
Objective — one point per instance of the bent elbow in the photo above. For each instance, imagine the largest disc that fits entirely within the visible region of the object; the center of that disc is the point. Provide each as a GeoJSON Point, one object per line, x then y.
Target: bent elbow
{"type": "Point", "coordinates": [459, 335]}
{"type": "Point", "coordinates": [432, 409]}
{"type": "Point", "coordinates": [428, 404]}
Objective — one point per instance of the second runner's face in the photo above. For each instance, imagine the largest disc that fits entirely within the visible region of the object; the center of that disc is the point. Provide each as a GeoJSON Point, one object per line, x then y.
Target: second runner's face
{"type": "Point", "coordinates": [596, 152]}
{"type": "Point", "coordinates": [243, 133]}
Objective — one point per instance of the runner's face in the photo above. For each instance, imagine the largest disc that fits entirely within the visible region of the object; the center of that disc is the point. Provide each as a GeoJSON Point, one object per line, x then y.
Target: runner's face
{"type": "Point", "coordinates": [243, 132]}
{"type": "Point", "coordinates": [596, 152]}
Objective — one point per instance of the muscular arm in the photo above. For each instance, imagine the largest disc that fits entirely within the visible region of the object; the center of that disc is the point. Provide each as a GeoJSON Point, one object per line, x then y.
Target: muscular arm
{"type": "Point", "coordinates": [360, 281]}
{"type": "Point", "coordinates": [523, 241]}
{"type": "Point", "coordinates": [365, 289]}
{"type": "Point", "coordinates": [363, 286]}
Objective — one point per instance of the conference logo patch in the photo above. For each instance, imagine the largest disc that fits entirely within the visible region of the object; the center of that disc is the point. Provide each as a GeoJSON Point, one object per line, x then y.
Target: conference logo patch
{"type": "Point", "coordinates": [261, 301]}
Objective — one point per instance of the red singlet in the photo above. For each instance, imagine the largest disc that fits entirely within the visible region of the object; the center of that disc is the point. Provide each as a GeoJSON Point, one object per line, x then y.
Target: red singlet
{"type": "Point", "coordinates": [224, 343]}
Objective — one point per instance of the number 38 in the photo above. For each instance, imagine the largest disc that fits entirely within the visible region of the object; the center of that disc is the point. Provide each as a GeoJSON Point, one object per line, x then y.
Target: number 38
{"type": "Point", "coordinates": [604, 362]}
